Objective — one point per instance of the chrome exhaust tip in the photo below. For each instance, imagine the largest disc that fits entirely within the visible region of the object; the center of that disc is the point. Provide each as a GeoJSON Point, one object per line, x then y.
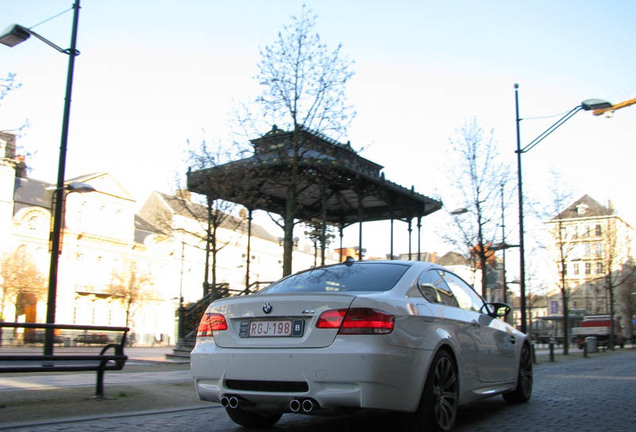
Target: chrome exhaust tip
{"type": "Point", "coordinates": [294, 405]}
{"type": "Point", "coordinates": [225, 401]}
{"type": "Point", "coordinates": [233, 402]}
{"type": "Point", "coordinates": [308, 406]}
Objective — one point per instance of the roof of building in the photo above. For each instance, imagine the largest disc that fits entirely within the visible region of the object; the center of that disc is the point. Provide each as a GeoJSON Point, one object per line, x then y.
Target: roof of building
{"type": "Point", "coordinates": [452, 259]}
{"type": "Point", "coordinates": [32, 193]}
{"type": "Point", "coordinates": [186, 208]}
{"type": "Point", "coordinates": [585, 207]}
{"type": "Point", "coordinates": [143, 229]}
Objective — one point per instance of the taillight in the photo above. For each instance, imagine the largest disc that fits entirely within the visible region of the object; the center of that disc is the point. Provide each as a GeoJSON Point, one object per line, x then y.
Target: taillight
{"type": "Point", "coordinates": [331, 319]}
{"type": "Point", "coordinates": [211, 322]}
{"type": "Point", "coordinates": [357, 321]}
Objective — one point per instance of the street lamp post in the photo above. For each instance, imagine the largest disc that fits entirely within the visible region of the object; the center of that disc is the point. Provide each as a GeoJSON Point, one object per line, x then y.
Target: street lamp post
{"type": "Point", "coordinates": [15, 35]}
{"type": "Point", "coordinates": [586, 105]}
{"type": "Point", "coordinates": [503, 240]}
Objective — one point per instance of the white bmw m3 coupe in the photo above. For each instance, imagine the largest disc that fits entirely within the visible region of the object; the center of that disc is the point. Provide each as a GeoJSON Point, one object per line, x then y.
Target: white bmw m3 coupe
{"type": "Point", "coordinates": [402, 336]}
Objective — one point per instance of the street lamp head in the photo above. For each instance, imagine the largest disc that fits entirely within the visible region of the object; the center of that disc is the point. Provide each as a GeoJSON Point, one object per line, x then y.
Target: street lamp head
{"type": "Point", "coordinates": [79, 187]}
{"type": "Point", "coordinates": [595, 104]}
{"type": "Point", "coordinates": [501, 246]}
{"type": "Point", "coordinates": [459, 211]}
{"type": "Point", "coordinates": [14, 35]}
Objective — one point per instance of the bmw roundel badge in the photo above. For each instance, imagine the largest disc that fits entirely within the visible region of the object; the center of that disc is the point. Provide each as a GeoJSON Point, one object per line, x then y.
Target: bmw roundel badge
{"type": "Point", "coordinates": [267, 308]}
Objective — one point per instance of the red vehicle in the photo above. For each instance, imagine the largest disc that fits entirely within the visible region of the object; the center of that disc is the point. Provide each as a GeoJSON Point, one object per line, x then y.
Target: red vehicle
{"type": "Point", "coordinates": [598, 326]}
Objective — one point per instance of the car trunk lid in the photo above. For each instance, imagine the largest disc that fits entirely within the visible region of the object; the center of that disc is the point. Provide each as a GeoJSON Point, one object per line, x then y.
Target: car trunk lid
{"type": "Point", "coordinates": [277, 320]}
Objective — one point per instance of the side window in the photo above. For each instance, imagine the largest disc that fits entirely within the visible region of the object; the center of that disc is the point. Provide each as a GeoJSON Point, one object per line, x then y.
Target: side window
{"type": "Point", "coordinates": [434, 289]}
{"type": "Point", "coordinates": [466, 297]}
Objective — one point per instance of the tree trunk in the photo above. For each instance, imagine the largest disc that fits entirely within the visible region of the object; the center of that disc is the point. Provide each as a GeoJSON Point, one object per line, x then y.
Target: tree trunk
{"type": "Point", "coordinates": [288, 238]}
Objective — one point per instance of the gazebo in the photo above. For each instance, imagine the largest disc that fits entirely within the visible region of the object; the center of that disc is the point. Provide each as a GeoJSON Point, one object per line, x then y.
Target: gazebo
{"type": "Point", "coordinates": [326, 182]}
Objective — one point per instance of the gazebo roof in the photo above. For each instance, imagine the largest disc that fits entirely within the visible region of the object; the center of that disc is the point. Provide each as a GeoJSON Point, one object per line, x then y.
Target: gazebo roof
{"type": "Point", "coordinates": [333, 182]}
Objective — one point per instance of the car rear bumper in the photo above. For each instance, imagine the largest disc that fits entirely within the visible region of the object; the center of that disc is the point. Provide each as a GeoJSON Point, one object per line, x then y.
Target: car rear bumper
{"type": "Point", "coordinates": [350, 373]}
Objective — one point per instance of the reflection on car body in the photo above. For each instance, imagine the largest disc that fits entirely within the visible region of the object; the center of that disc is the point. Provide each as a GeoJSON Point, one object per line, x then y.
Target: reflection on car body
{"type": "Point", "coordinates": [403, 336]}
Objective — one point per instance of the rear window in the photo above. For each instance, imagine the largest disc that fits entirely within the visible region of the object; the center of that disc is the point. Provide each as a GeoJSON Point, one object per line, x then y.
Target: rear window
{"type": "Point", "coordinates": [354, 277]}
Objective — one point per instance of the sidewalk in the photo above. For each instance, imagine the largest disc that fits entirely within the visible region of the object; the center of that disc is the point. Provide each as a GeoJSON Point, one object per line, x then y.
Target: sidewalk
{"type": "Point", "coordinates": [144, 365]}
{"type": "Point", "coordinates": [147, 383]}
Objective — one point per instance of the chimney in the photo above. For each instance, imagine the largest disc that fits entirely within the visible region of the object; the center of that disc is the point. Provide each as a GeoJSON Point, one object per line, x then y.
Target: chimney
{"type": "Point", "coordinates": [8, 146]}
{"type": "Point", "coordinates": [20, 167]}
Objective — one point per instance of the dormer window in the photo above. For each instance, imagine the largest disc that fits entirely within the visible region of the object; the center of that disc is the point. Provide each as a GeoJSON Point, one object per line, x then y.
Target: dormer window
{"type": "Point", "coordinates": [581, 209]}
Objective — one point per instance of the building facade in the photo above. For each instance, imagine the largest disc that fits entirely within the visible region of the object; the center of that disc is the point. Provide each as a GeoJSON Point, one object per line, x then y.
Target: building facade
{"type": "Point", "coordinates": [119, 265]}
{"type": "Point", "coordinates": [591, 243]}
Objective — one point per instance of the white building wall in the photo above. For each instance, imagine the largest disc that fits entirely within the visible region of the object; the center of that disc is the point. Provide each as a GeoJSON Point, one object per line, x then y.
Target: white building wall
{"type": "Point", "coordinates": [7, 181]}
{"type": "Point", "coordinates": [98, 240]}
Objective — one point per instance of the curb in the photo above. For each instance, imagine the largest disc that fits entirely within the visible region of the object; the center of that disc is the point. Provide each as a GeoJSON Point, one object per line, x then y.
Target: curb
{"type": "Point", "coordinates": [52, 422]}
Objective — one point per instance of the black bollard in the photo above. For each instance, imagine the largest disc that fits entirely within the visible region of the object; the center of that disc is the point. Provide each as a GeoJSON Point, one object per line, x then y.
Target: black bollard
{"type": "Point", "coordinates": [551, 351]}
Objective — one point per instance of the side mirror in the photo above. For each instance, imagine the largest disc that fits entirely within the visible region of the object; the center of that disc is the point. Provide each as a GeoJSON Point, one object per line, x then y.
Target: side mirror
{"type": "Point", "coordinates": [498, 310]}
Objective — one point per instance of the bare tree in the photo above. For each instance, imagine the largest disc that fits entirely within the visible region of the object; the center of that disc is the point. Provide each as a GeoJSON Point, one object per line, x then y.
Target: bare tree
{"type": "Point", "coordinates": [626, 299]}
{"type": "Point", "coordinates": [22, 283]}
{"type": "Point", "coordinates": [477, 178]}
{"type": "Point", "coordinates": [7, 84]}
{"type": "Point", "coordinates": [614, 262]}
{"type": "Point", "coordinates": [303, 84]}
{"type": "Point", "coordinates": [131, 286]}
{"type": "Point", "coordinates": [565, 246]}
{"type": "Point", "coordinates": [16, 152]}
{"type": "Point", "coordinates": [218, 212]}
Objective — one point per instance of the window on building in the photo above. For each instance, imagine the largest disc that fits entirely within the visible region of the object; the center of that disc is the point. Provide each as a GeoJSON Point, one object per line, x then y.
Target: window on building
{"type": "Point", "coordinates": [588, 250]}
{"type": "Point", "coordinates": [581, 209]}
{"type": "Point", "coordinates": [588, 268]}
{"type": "Point", "coordinates": [598, 230]}
{"type": "Point", "coordinates": [575, 267]}
{"type": "Point", "coordinates": [600, 268]}
{"type": "Point", "coordinates": [599, 249]}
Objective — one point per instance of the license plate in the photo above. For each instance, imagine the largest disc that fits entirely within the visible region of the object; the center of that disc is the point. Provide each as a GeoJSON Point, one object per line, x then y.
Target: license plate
{"type": "Point", "coordinates": [272, 328]}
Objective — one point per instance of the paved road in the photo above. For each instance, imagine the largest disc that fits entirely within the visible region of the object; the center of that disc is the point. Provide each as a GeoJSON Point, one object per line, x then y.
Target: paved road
{"type": "Point", "coordinates": [594, 394]}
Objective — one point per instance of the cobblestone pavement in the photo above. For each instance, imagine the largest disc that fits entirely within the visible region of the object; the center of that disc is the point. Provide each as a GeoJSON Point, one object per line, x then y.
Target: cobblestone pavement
{"type": "Point", "coordinates": [593, 394]}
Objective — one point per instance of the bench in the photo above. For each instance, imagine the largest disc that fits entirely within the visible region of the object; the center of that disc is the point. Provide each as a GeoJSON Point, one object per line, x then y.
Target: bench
{"type": "Point", "coordinates": [110, 357]}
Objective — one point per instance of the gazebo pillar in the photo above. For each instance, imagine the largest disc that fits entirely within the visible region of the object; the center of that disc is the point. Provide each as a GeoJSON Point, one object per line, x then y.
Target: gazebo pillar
{"type": "Point", "coordinates": [419, 238]}
{"type": "Point", "coordinates": [360, 218]}
{"type": "Point", "coordinates": [410, 229]}
{"type": "Point", "coordinates": [323, 224]}
{"type": "Point", "coordinates": [249, 251]}
{"type": "Point", "coordinates": [208, 234]}
{"type": "Point", "coordinates": [341, 233]}
{"type": "Point", "coordinates": [391, 246]}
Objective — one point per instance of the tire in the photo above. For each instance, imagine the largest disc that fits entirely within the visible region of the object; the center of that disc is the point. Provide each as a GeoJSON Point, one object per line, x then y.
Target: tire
{"type": "Point", "coordinates": [251, 419]}
{"type": "Point", "coordinates": [438, 405]}
{"type": "Point", "coordinates": [523, 391]}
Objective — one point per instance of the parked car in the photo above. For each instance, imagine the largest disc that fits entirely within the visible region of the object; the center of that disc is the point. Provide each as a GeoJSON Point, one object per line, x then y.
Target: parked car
{"type": "Point", "coordinates": [402, 336]}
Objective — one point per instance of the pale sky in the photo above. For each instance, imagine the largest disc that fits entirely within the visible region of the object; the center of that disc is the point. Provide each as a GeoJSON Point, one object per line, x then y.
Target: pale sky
{"type": "Point", "coordinates": [155, 73]}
